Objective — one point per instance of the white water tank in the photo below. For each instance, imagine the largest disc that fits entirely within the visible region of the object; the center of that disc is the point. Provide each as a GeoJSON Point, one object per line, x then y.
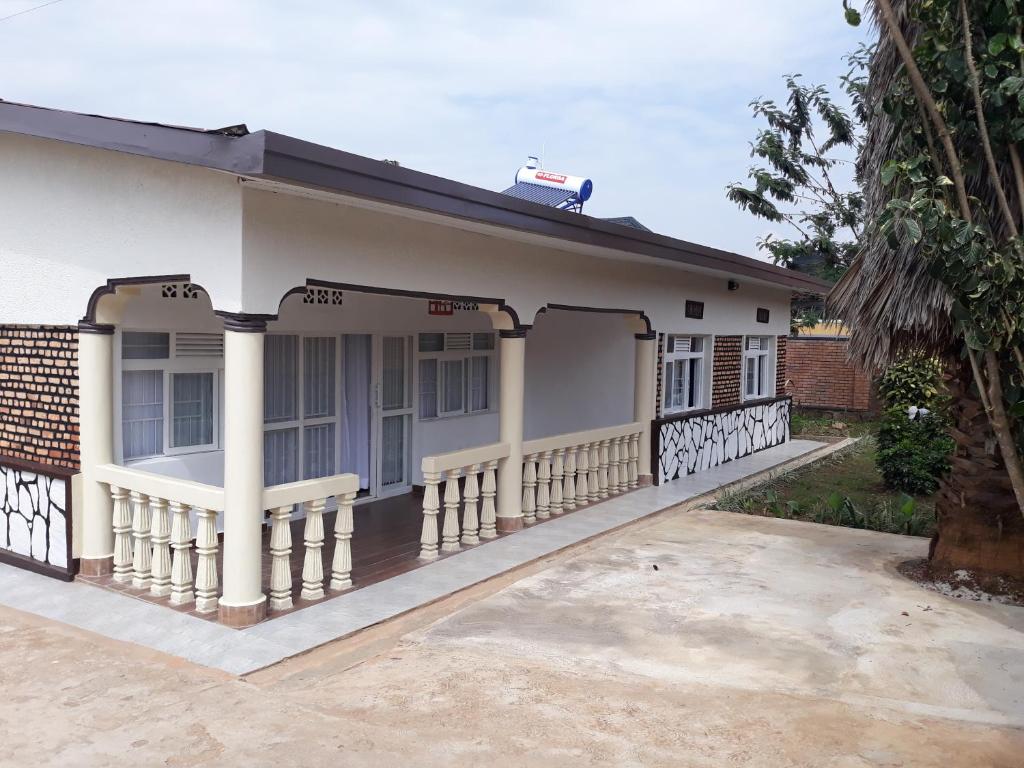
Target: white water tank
{"type": "Point", "coordinates": [581, 186]}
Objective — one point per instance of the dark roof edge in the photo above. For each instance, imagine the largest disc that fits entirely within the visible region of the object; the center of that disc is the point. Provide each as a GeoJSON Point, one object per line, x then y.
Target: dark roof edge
{"type": "Point", "coordinates": [210, 149]}
{"type": "Point", "coordinates": [293, 160]}
{"type": "Point", "coordinates": [269, 155]}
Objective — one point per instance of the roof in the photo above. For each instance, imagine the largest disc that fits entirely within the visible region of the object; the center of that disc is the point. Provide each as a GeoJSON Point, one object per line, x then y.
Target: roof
{"type": "Point", "coordinates": [628, 221]}
{"type": "Point", "coordinates": [535, 193]}
{"type": "Point", "coordinates": [276, 157]}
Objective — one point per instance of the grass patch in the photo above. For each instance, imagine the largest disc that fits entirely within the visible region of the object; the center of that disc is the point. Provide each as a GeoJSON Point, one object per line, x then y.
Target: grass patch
{"type": "Point", "coordinates": [844, 489]}
{"type": "Point", "coordinates": [810, 424]}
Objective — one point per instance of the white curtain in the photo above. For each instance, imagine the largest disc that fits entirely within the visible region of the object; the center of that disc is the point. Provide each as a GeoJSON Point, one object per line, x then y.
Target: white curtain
{"type": "Point", "coordinates": [142, 413]}
{"type": "Point", "coordinates": [355, 408]}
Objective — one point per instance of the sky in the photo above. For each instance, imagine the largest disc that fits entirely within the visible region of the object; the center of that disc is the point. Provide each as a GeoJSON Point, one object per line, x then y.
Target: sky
{"type": "Point", "coordinates": [647, 99]}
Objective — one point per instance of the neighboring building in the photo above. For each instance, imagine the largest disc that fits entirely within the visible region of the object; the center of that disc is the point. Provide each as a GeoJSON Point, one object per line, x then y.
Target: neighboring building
{"type": "Point", "coordinates": [200, 327]}
{"type": "Point", "coordinates": [821, 376]}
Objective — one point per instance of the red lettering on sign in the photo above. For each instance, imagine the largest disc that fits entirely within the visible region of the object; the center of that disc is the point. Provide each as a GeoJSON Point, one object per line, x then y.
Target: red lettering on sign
{"type": "Point", "coordinates": [440, 308]}
{"type": "Point", "coordinates": [555, 177]}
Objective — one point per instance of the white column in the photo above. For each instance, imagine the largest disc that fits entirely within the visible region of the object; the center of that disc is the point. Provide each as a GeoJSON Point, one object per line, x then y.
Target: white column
{"type": "Point", "coordinates": [643, 399]}
{"type": "Point", "coordinates": [512, 349]}
{"type": "Point", "coordinates": [242, 601]}
{"type": "Point", "coordinates": [96, 444]}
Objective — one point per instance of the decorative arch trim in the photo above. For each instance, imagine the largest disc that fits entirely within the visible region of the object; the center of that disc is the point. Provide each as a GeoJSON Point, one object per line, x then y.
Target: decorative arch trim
{"type": "Point", "coordinates": [403, 293]}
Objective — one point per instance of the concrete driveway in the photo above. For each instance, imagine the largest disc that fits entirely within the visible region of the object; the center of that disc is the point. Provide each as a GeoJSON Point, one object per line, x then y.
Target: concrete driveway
{"type": "Point", "coordinates": [693, 639]}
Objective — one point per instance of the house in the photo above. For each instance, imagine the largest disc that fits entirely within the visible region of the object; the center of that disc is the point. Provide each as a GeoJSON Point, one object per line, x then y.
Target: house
{"type": "Point", "coordinates": [209, 335]}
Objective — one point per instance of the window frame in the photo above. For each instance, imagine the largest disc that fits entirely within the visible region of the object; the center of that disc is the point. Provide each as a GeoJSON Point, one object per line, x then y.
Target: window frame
{"type": "Point", "coordinates": [168, 366]}
{"type": "Point", "coordinates": [301, 422]}
{"type": "Point", "coordinates": [466, 357]}
{"type": "Point", "coordinates": [676, 358]}
{"type": "Point", "coordinates": [766, 386]}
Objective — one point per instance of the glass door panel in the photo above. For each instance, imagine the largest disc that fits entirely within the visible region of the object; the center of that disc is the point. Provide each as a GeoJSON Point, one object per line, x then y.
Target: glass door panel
{"type": "Point", "coordinates": [395, 413]}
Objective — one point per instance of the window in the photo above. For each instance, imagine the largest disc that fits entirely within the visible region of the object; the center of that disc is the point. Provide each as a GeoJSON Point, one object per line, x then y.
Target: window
{"type": "Point", "coordinates": [756, 357]}
{"type": "Point", "coordinates": [142, 413]}
{"type": "Point", "coordinates": [684, 373]}
{"type": "Point", "coordinates": [454, 377]}
{"type": "Point", "coordinates": [300, 407]}
{"type": "Point", "coordinates": [169, 392]}
{"type": "Point", "coordinates": [191, 410]}
{"type": "Point", "coordinates": [145, 345]}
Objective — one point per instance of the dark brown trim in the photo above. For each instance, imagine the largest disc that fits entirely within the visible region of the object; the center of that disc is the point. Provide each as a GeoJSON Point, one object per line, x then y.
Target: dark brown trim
{"type": "Point", "coordinates": [26, 563]}
{"type": "Point", "coordinates": [645, 336]}
{"type": "Point", "coordinates": [684, 415]}
{"type": "Point", "coordinates": [275, 157]}
{"type": "Point", "coordinates": [100, 329]}
{"type": "Point", "coordinates": [515, 333]}
{"type": "Point", "coordinates": [23, 465]}
{"type": "Point", "coordinates": [243, 322]}
{"type": "Point", "coordinates": [403, 293]}
{"type": "Point", "coordinates": [116, 282]}
{"type": "Point", "coordinates": [604, 310]}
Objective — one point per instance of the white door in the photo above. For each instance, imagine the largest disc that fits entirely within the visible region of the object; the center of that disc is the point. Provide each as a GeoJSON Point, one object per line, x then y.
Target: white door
{"type": "Point", "coordinates": [394, 414]}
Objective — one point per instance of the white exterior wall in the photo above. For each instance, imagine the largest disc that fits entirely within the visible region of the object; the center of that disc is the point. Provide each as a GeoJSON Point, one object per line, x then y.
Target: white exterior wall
{"type": "Point", "coordinates": [579, 373]}
{"type": "Point", "coordinates": [288, 239]}
{"type": "Point", "coordinates": [71, 217]}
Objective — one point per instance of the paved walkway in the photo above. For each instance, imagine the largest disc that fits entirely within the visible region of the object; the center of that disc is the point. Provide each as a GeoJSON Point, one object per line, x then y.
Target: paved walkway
{"type": "Point", "coordinates": [697, 639]}
{"type": "Point", "coordinates": [121, 617]}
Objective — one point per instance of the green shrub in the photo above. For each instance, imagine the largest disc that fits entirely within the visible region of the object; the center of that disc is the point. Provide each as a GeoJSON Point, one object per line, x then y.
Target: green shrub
{"type": "Point", "coordinates": [913, 455]}
{"type": "Point", "coordinates": [914, 380]}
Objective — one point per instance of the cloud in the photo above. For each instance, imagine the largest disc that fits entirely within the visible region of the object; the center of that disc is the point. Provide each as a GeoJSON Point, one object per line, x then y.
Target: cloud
{"type": "Point", "coordinates": [647, 98]}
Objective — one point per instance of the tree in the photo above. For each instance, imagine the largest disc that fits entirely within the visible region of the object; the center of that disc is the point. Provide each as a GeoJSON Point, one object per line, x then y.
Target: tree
{"type": "Point", "coordinates": [941, 268]}
{"type": "Point", "coordinates": [796, 183]}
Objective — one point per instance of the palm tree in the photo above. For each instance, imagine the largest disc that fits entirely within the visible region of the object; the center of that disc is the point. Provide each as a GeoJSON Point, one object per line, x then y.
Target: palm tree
{"type": "Point", "coordinates": [896, 304]}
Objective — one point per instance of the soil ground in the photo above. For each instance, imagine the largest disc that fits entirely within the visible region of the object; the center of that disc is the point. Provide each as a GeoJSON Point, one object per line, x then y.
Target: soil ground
{"type": "Point", "coordinates": [697, 639]}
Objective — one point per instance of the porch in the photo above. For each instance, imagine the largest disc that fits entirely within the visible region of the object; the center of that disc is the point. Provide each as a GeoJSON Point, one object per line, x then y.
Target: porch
{"type": "Point", "coordinates": [211, 644]}
{"type": "Point", "coordinates": [260, 464]}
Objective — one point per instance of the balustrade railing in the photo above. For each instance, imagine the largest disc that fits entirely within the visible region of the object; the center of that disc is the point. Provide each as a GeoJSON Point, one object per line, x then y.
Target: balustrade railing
{"type": "Point", "coordinates": [476, 467]}
{"type": "Point", "coordinates": [563, 472]}
{"type": "Point", "coordinates": [313, 495]}
{"type": "Point", "coordinates": [153, 534]}
{"type": "Point", "coordinates": [152, 524]}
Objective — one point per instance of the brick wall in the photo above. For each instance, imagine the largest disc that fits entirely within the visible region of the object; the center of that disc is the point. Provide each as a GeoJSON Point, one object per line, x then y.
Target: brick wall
{"type": "Point", "coordinates": [39, 394]}
{"type": "Point", "coordinates": [821, 376]}
{"type": "Point", "coordinates": [725, 377]}
{"type": "Point", "coordinates": [659, 391]}
{"type": "Point", "coordinates": [780, 366]}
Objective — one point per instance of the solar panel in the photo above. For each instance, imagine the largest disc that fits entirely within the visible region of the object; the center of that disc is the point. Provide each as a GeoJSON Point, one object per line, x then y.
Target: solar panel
{"type": "Point", "coordinates": [535, 193]}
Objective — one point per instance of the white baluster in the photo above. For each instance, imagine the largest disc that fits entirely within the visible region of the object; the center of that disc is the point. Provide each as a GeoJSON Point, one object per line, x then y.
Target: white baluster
{"type": "Point", "coordinates": [313, 563]}
{"type": "Point", "coordinates": [634, 455]}
{"type": "Point", "coordinates": [206, 570]}
{"type": "Point", "coordinates": [557, 479]}
{"type": "Point", "coordinates": [471, 494]}
{"type": "Point", "coordinates": [593, 480]}
{"type": "Point", "coordinates": [582, 476]}
{"type": "Point", "coordinates": [569, 481]}
{"type": "Point", "coordinates": [181, 565]}
{"type": "Point", "coordinates": [602, 469]}
{"type": "Point", "coordinates": [450, 530]}
{"type": "Point", "coordinates": [142, 555]}
{"type": "Point", "coordinates": [613, 466]}
{"type": "Point", "coordinates": [488, 522]}
{"type": "Point", "coordinates": [544, 486]}
{"type": "Point", "coordinates": [530, 489]}
{"type": "Point", "coordinates": [431, 505]}
{"type": "Point", "coordinates": [624, 464]}
{"type": "Point", "coordinates": [122, 534]}
{"type": "Point", "coordinates": [341, 566]}
{"type": "Point", "coordinates": [280, 558]}
{"type": "Point", "coordinates": [160, 537]}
